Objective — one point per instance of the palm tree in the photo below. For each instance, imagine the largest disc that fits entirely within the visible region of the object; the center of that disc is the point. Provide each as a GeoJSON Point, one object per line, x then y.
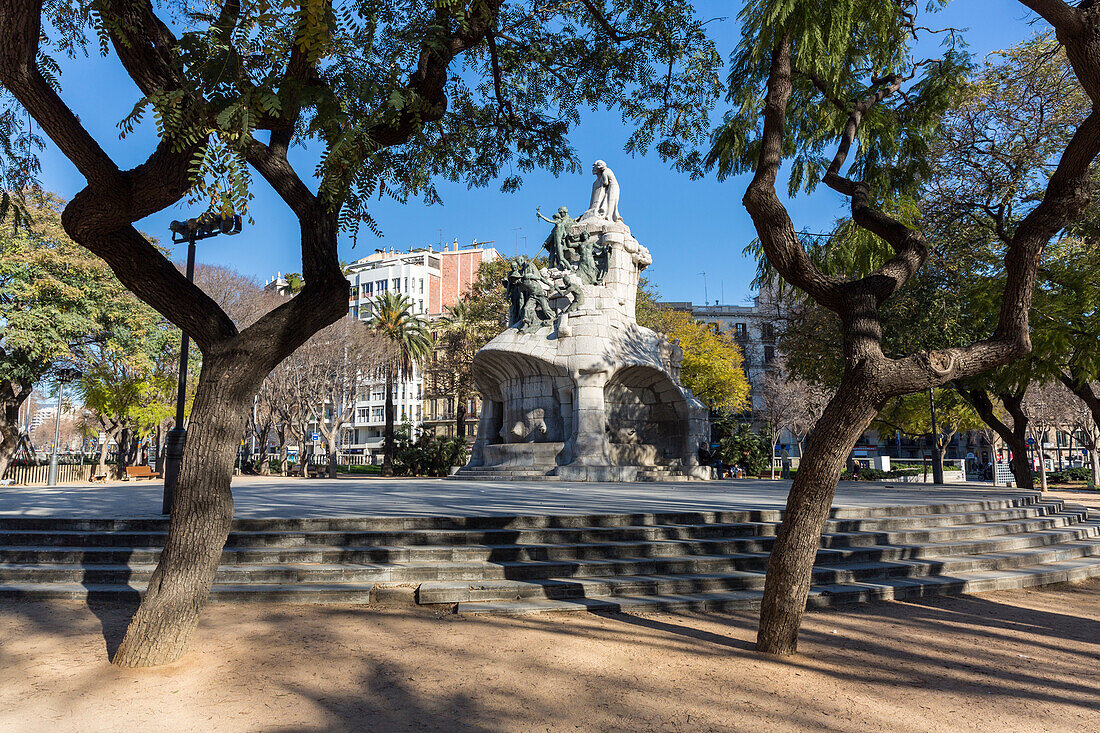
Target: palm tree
{"type": "Point", "coordinates": [462, 335]}
{"type": "Point", "coordinates": [410, 343]}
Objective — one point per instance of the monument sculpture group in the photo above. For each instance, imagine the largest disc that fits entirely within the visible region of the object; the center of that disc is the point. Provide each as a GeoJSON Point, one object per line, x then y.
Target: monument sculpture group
{"type": "Point", "coordinates": [574, 388]}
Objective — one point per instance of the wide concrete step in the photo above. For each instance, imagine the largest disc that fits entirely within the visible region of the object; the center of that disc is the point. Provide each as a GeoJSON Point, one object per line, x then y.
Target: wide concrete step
{"type": "Point", "coordinates": [892, 588]}
{"type": "Point", "coordinates": [444, 537]}
{"type": "Point", "coordinates": [573, 544]}
{"type": "Point", "coordinates": [341, 585]}
{"type": "Point", "coordinates": [268, 593]}
{"type": "Point", "coordinates": [751, 575]}
{"type": "Point", "coordinates": [123, 567]}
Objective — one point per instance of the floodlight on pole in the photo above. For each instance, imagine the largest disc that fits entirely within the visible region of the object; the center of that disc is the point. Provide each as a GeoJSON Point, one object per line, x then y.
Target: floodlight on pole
{"type": "Point", "coordinates": [190, 231]}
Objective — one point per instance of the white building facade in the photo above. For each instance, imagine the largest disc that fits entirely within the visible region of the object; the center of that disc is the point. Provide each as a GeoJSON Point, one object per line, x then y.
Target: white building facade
{"type": "Point", "coordinates": [432, 280]}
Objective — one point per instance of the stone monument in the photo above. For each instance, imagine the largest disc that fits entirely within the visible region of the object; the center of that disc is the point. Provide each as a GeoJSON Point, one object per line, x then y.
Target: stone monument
{"type": "Point", "coordinates": [574, 388]}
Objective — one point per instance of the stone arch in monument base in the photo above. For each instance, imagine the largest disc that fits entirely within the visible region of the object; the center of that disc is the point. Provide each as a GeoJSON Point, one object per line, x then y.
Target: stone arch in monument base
{"type": "Point", "coordinates": [648, 420]}
{"type": "Point", "coordinates": [527, 411]}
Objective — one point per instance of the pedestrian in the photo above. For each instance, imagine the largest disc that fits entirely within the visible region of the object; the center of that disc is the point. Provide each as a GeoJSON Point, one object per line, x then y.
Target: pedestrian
{"type": "Point", "coordinates": [855, 470]}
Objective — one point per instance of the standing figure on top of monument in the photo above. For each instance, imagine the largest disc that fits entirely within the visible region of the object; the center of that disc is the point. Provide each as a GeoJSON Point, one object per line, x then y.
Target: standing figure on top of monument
{"type": "Point", "coordinates": [558, 240]}
{"type": "Point", "coordinates": [605, 195]}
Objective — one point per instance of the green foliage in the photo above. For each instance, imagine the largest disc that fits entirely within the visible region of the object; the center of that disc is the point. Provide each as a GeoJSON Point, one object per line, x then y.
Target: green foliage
{"type": "Point", "coordinates": [508, 106]}
{"type": "Point", "coordinates": [912, 414]}
{"type": "Point", "coordinates": [57, 301]}
{"type": "Point", "coordinates": [647, 308]}
{"type": "Point", "coordinates": [1077, 473]}
{"type": "Point", "coordinates": [986, 170]}
{"type": "Point", "coordinates": [365, 470]}
{"type": "Point", "coordinates": [875, 474]}
{"type": "Point", "coordinates": [738, 445]}
{"type": "Point", "coordinates": [842, 51]}
{"type": "Point", "coordinates": [406, 334]}
{"type": "Point", "coordinates": [428, 454]}
{"type": "Point", "coordinates": [711, 365]}
{"type": "Point", "coordinates": [294, 282]}
{"type": "Point", "coordinates": [487, 299]}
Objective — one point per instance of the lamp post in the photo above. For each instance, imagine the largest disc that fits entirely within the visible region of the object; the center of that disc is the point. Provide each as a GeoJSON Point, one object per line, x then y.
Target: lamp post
{"type": "Point", "coordinates": [190, 231]}
{"type": "Point", "coordinates": [64, 375]}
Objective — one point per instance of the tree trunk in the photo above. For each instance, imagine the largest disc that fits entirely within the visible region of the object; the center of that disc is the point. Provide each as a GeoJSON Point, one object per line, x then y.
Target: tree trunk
{"type": "Point", "coordinates": [157, 464]}
{"type": "Point", "coordinates": [1015, 437]}
{"type": "Point", "coordinates": [261, 450]}
{"type": "Point", "coordinates": [10, 435]}
{"type": "Point", "coordinates": [1041, 450]}
{"type": "Point", "coordinates": [1094, 461]}
{"type": "Point", "coordinates": [122, 449]}
{"type": "Point", "coordinates": [790, 565]}
{"type": "Point", "coordinates": [941, 451]}
{"type": "Point", "coordinates": [387, 441]}
{"type": "Point", "coordinates": [202, 512]}
{"type": "Point", "coordinates": [333, 449]}
{"type": "Point", "coordinates": [108, 436]}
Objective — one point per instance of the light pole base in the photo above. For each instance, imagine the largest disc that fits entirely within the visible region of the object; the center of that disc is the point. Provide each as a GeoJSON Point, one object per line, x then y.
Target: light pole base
{"type": "Point", "coordinates": [173, 456]}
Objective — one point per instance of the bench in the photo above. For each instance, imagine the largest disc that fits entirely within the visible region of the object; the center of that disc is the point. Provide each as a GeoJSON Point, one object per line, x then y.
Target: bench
{"type": "Point", "coordinates": [140, 472]}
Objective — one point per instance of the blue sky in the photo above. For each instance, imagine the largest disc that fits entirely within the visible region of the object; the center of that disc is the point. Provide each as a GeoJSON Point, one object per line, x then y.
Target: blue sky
{"type": "Point", "coordinates": [689, 226]}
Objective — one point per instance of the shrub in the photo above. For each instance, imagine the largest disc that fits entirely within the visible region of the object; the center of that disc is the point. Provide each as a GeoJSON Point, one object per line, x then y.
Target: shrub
{"type": "Point", "coordinates": [874, 474]}
{"type": "Point", "coordinates": [1078, 473]}
{"type": "Point", "coordinates": [428, 455]}
{"type": "Point", "coordinates": [739, 446]}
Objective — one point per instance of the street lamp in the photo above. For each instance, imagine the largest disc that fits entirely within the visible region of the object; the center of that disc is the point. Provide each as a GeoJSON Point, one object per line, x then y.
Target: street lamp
{"type": "Point", "coordinates": [64, 375]}
{"type": "Point", "coordinates": [190, 231]}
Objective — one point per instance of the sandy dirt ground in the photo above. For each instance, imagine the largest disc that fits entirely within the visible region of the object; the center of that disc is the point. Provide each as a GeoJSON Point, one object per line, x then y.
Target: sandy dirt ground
{"type": "Point", "coordinates": [1010, 661]}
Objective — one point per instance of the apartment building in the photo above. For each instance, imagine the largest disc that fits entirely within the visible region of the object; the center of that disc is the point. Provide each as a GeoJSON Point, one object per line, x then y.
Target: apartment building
{"type": "Point", "coordinates": [755, 329]}
{"type": "Point", "coordinates": [433, 280]}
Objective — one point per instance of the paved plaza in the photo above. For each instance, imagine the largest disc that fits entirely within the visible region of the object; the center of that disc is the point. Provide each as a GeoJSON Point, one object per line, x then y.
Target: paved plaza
{"type": "Point", "coordinates": [282, 497]}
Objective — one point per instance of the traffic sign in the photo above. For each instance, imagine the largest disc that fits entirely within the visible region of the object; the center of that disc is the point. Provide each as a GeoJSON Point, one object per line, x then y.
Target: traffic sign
{"type": "Point", "coordinates": [316, 437]}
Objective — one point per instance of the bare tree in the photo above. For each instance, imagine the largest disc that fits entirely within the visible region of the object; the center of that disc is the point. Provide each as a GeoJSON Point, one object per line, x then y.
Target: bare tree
{"type": "Point", "coordinates": [790, 404]}
{"type": "Point", "coordinates": [1082, 422]}
{"type": "Point", "coordinates": [339, 357]}
{"type": "Point", "coordinates": [1048, 407]}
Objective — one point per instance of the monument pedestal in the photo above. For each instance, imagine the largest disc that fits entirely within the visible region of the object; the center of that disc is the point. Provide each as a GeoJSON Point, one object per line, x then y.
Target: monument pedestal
{"type": "Point", "coordinates": [585, 394]}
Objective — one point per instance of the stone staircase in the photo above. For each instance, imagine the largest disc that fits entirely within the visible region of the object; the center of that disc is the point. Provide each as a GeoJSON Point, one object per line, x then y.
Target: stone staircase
{"type": "Point", "coordinates": [606, 562]}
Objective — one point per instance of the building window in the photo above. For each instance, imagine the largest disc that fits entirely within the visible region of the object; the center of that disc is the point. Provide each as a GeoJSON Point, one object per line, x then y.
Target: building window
{"type": "Point", "coordinates": [378, 414]}
{"type": "Point", "coordinates": [421, 286]}
{"type": "Point", "coordinates": [407, 285]}
{"type": "Point", "coordinates": [767, 332]}
{"type": "Point", "coordinates": [769, 354]}
{"type": "Point", "coordinates": [351, 290]}
{"type": "Point", "coordinates": [381, 286]}
{"type": "Point", "coordinates": [739, 330]}
{"type": "Point", "coordinates": [397, 284]}
{"type": "Point", "coordinates": [368, 289]}
{"type": "Point", "coordinates": [361, 414]}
